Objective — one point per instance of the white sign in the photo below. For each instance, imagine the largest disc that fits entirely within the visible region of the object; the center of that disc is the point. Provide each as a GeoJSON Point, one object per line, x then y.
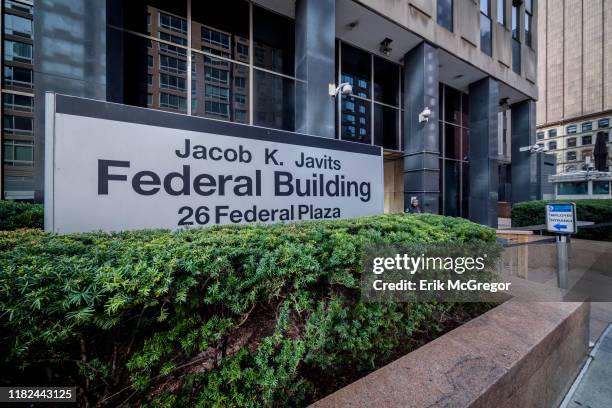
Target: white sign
{"type": "Point", "coordinates": [114, 167]}
{"type": "Point", "coordinates": [561, 218]}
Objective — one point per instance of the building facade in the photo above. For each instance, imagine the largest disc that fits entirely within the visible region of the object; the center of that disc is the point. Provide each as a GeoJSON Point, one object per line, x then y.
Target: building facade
{"type": "Point", "coordinates": [16, 172]}
{"type": "Point", "coordinates": [574, 78]}
{"type": "Point", "coordinates": [268, 63]}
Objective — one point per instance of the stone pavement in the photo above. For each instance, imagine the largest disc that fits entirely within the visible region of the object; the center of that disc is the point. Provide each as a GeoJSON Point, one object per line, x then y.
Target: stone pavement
{"type": "Point", "coordinates": [593, 387]}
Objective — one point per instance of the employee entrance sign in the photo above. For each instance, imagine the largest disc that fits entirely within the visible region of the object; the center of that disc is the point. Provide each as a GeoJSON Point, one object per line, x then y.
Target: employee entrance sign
{"type": "Point", "coordinates": [113, 167]}
{"type": "Point", "coordinates": [561, 218]}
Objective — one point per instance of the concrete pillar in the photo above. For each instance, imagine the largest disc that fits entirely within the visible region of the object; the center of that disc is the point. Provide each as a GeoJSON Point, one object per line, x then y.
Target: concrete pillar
{"type": "Point", "coordinates": [77, 68]}
{"type": "Point", "coordinates": [421, 145]}
{"type": "Point", "coordinates": [484, 105]}
{"type": "Point", "coordinates": [524, 164]}
{"type": "Point", "coordinates": [315, 33]}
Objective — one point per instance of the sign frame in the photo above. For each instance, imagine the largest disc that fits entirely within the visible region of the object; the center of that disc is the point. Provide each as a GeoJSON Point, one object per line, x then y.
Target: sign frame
{"type": "Point", "coordinates": [555, 211]}
{"type": "Point", "coordinates": [59, 109]}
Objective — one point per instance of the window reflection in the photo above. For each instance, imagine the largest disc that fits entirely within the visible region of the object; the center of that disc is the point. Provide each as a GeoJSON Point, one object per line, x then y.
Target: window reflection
{"type": "Point", "coordinates": [355, 120]}
{"type": "Point", "coordinates": [274, 101]}
{"type": "Point", "coordinates": [357, 70]}
{"type": "Point", "coordinates": [386, 127]}
{"type": "Point", "coordinates": [273, 40]}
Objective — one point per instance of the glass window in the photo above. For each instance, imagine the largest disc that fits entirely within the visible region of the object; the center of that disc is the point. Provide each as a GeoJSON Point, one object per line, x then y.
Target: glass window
{"type": "Point", "coordinates": [386, 82]}
{"type": "Point", "coordinates": [172, 101]}
{"type": "Point", "coordinates": [501, 12]}
{"type": "Point", "coordinates": [552, 145]}
{"type": "Point", "coordinates": [17, 76]}
{"type": "Point", "coordinates": [528, 29]}
{"type": "Point", "coordinates": [445, 14]}
{"type": "Point", "coordinates": [452, 142]}
{"type": "Point", "coordinates": [149, 16]}
{"type": "Point", "coordinates": [587, 139]}
{"type": "Point", "coordinates": [571, 142]}
{"type": "Point", "coordinates": [552, 133]}
{"type": "Point", "coordinates": [540, 135]}
{"type": "Point", "coordinates": [17, 6]}
{"type": "Point", "coordinates": [172, 64]}
{"type": "Point", "coordinates": [355, 120]}
{"type": "Point", "coordinates": [571, 156]}
{"type": "Point", "coordinates": [485, 34]}
{"type": "Point", "coordinates": [586, 126]}
{"type": "Point", "coordinates": [18, 152]}
{"type": "Point", "coordinates": [224, 27]}
{"type": "Point", "coordinates": [603, 123]}
{"type": "Point", "coordinates": [586, 153]}
{"type": "Point", "coordinates": [452, 105]}
{"type": "Point", "coordinates": [572, 188]}
{"type": "Point", "coordinates": [173, 38]}
{"type": "Point", "coordinates": [173, 23]}
{"type": "Point", "coordinates": [601, 187]}
{"type": "Point", "coordinates": [274, 101]}
{"type": "Point", "coordinates": [168, 81]}
{"type": "Point", "coordinates": [386, 127]}
{"type": "Point", "coordinates": [515, 21]}
{"type": "Point", "coordinates": [273, 39]}
{"type": "Point", "coordinates": [356, 70]}
{"type": "Point", "coordinates": [18, 125]}
{"type": "Point", "coordinates": [571, 129]}
{"type": "Point", "coordinates": [17, 51]}
{"type": "Point", "coordinates": [17, 102]}
{"type": "Point", "coordinates": [452, 188]}
{"type": "Point", "coordinates": [16, 25]}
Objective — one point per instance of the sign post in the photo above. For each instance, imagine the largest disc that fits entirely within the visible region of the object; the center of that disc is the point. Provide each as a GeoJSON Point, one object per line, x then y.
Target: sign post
{"type": "Point", "coordinates": [561, 219]}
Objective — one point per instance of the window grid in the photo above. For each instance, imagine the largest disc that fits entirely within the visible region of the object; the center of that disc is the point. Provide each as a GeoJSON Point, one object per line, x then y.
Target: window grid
{"type": "Point", "coordinates": [183, 47]}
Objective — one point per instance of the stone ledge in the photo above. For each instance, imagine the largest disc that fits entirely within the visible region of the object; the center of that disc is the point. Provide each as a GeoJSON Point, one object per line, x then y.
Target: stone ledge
{"type": "Point", "coordinates": [516, 355]}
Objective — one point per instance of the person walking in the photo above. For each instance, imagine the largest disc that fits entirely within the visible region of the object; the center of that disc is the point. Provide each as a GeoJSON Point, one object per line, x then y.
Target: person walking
{"type": "Point", "coordinates": [414, 207]}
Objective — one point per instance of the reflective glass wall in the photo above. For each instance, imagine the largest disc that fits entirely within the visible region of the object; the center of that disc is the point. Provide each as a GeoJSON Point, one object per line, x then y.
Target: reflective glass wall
{"type": "Point", "coordinates": [17, 145]}
{"type": "Point", "coordinates": [229, 60]}
{"type": "Point", "coordinates": [454, 134]}
{"type": "Point", "coordinates": [372, 114]}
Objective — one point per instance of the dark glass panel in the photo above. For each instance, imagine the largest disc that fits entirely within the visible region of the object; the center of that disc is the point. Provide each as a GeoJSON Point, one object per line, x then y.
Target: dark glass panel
{"type": "Point", "coordinates": [221, 28]}
{"type": "Point", "coordinates": [274, 101]}
{"type": "Point", "coordinates": [445, 14]}
{"type": "Point", "coordinates": [219, 89]}
{"type": "Point", "coordinates": [386, 127]}
{"type": "Point", "coordinates": [274, 41]}
{"type": "Point", "coordinates": [149, 16]}
{"type": "Point", "coordinates": [386, 82]}
{"type": "Point", "coordinates": [452, 187]}
{"type": "Point", "coordinates": [452, 142]}
{"type": "Point", "coordinates": [357, 70]}
{"type": "Point", "coordinates": [355, 120]}
{"type": "Point", "coordinates": [452, 105]}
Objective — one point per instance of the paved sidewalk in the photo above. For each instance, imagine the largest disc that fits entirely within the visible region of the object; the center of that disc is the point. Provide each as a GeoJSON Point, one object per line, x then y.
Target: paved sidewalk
{"type": "Point", "coordinates": [593, 387]}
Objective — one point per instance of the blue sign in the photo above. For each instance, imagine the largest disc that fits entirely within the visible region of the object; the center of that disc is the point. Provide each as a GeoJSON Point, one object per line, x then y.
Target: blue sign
{"type": "Point", "coordinates": [561, 218]}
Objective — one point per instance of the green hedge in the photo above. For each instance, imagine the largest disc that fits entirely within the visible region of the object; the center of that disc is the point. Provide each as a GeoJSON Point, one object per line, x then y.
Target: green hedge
{"type": "Point", "coordinates": [598, 211]}
{"type": "Point", "coordinates": [221, 316]}
{"type": "Point", "coordinates": [14, 215]}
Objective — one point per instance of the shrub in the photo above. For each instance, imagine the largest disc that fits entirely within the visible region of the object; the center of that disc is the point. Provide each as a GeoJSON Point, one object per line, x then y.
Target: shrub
{"type": "Point", "coordinates": [597, 211]}
{"type": "Point", "coordinates": [222, 316]}
{"type": "Point", "coordinates": [14, 215]}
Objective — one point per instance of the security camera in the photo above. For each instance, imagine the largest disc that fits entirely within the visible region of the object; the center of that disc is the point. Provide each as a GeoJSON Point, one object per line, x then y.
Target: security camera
{"type": "Point", "coordinates": [345, 88]}
{"type": "Point", "coordinates": [424, 116]}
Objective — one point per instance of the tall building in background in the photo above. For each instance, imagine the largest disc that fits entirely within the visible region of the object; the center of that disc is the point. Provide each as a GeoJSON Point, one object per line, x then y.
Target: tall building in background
{"type": "Point", "coordinates": [574, 79]}
{"type": "Point", "coordinates": [18, 136]}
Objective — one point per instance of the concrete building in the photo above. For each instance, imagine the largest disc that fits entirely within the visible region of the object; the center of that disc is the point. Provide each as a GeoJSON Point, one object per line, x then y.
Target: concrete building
{"type": "Point", "coordinates": [268, 63]}
{"type": "Point", "coordinates": [575, 79]}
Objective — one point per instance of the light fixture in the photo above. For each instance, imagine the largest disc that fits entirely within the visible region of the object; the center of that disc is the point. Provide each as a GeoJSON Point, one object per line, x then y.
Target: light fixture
{"type": "Point", "coordinates": [385, 46]}
{"type": "Point", "coordinates": [344, 87]}
{"type": "Point", "coordinates": [424, 116]}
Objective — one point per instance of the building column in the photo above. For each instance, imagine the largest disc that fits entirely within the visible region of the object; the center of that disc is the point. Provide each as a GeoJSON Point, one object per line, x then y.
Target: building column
{"type": "Point", "coordinates": [484, 106]}
{"type": "Point", "coordinates": [421, 144]}
{"type": "Point", "coordinates": [315, 33]}
{"type": "Point", "coordinates": [524, 164]}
